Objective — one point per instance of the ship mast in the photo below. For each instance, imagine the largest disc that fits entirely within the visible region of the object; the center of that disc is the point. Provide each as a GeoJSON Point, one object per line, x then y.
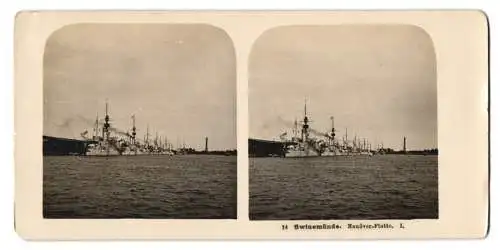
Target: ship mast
{"type": "Point", "coordinates": [333, 131]}
{"type": "Point", "coordinates": [96, 128]}
{"type": "Point", "coordinates": [147, 136]}
{"type": "Point", "coordinates": [133, 129]}
{"type": "Point", "coordinates": [345, 141]}
{"type": "Point", "coordinates": [305, 126]}
{"type": "Point", "coordinates": [106, 127]}
{"type": "Point", "coordinates": [295, 130]}
{"type": "Point", "coordinates": [305, 108]}
{"type": "Point", "coordinates": [355, 143]}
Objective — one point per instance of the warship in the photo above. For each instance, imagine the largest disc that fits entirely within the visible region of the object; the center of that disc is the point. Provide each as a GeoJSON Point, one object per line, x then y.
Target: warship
{"type": "Point", "coordinates": [311, 143]}
{"type": "Point", "coordinates": [107, 140]}
{"type": "Point", "coordinates": [304, 141]}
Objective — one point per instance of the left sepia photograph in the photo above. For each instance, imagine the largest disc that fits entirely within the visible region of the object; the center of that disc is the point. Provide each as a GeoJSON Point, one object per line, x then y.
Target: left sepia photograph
{"type": "Point", "coordinates": [139, 121]}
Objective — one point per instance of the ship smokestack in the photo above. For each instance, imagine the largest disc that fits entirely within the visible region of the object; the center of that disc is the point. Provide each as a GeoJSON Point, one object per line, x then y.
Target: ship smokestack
{"type": "Point", "coordinates": [404, 144]}
{"type": "Point", "coordinates": [206, 144]}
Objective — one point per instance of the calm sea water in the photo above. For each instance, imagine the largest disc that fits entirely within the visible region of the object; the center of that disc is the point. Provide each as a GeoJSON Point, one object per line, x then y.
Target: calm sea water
{"type": "Point", "coordinates": [361, 187]}
{"type": "Point", "coordinates": [177, 187]}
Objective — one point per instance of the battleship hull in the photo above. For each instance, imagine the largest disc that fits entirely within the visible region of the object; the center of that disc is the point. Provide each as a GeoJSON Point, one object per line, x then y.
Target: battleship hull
{"type": "Point", "coordinates": [103, 153]}
{"type": "Point", "coordinates": [331, 153]}
{"type": "Point", "coordinates": [63, 146]}
{"type": "Point", "coordinates": [266, 148]}
{"type": "Point", "coordinates": [301, 153]}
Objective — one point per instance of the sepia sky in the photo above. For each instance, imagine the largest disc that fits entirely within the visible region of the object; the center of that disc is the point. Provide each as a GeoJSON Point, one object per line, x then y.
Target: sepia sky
{"type": "Point", "coordinates": [178, 78]}
{"type": "Point", "coordinates": [378, 81]}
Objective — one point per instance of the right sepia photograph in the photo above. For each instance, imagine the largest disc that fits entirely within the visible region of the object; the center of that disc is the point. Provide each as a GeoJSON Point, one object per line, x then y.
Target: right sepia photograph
{"type": "Point", "coordinates": [343, 123]}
